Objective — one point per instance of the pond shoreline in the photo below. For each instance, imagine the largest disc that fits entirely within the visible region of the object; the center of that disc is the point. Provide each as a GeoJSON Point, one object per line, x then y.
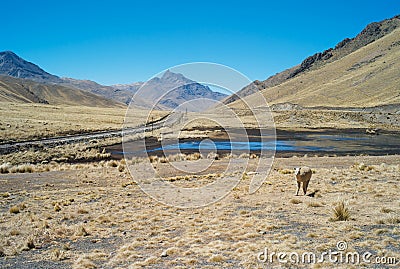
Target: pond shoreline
{"type": "Point", "coordinates": [300, 138]}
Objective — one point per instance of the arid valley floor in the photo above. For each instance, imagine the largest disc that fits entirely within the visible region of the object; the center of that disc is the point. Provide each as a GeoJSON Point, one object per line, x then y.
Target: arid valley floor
{"type": "Point", "coordinates": [95, 216]}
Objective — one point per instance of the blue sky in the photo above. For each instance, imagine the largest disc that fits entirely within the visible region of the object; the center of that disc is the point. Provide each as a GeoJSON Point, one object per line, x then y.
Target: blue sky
{"type": "Point", "coordinates": [126, 41]}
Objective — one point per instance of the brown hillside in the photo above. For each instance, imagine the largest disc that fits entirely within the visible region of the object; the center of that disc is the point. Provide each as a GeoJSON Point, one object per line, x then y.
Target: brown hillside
{"type": "Point", "coordinates": [366, 77]}
{"type": "Point", "coordinates": [371, 33]}
{"type": "Point", "coordinates": [27, 91]}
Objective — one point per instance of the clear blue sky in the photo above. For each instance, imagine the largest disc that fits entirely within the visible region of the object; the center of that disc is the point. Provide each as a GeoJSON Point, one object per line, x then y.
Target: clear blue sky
{"type": "Point", "coordinates": [125, 41]}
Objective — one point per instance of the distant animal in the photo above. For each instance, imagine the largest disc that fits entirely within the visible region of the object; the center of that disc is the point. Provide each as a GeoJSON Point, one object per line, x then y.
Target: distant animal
{"type": "Point", "coordinates": [302, 175]}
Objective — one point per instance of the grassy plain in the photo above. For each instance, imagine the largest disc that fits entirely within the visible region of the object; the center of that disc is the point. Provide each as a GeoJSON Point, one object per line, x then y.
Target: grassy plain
{"type": "Point", "coordinates": [26, 121]}
{"type": "Point", "coordinates": [95, 216]}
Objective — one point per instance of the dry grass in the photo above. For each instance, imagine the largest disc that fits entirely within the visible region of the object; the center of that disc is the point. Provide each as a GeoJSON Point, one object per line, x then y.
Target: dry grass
{"type": "Point", "coordinates": [107, 221]}
{"type": "Point", "coordinates": [120, 165]}
{"type": "Point", "coordinates": [295, 201]}
{"type": "Point", "coordinates": [286, 171]}
{"type": "Point", "coordinates": [5, 168]}
{"type": "Point", "coordinates": [337, 84]}
{"type": "Point", "coordinates": [314, 204]}
{"type": "Point", "coordinates": [20, 162]}
{"type": "Point", "coordinates": [386, 210]}
{"type": "Point", "coordinates": [36, 121]}
{"type": "Point", "coordinates": [33, 121]}
{"type": "Point", "coordinates": [14, 209]}
{"type": "Point", "coordinates": [340, 212]}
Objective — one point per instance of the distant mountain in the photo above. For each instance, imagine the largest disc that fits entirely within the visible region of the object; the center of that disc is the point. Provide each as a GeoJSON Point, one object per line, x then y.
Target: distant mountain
{"type": "Point", "coordinates": [172, 90]}
{"type": "Point", "coordinates": [133, 87]}
{"type": "Point", "coordinates": [369, 76]}
{"type": "Point", "coordinates": [21, 90]}
{"type": "Point", "coordinates": [371, 33]}
{"type": "Point", "coordinates": [14, 66]}
{"type": "Point", "coordinates": [183, 89]}
{"type": "Point", "coordinates": [120, 95]}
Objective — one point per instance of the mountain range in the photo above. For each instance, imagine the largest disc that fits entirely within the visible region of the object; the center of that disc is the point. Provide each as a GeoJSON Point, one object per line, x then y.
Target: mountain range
{"type": "Point", "coordinates": [28, 91]}
{"type": "Point", "coordinates": [357, 72]}
{"type": "Point", "coordinates": [23, 81]}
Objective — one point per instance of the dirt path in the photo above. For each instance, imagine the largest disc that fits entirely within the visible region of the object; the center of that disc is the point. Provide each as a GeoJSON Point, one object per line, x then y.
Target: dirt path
{"type": "Point", "coordinates": [62, 140]}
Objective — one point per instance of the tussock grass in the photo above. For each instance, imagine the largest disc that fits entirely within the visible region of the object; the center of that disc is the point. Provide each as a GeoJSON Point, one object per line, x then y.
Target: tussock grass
{"type": "Point", "coordinates": [386, 210]}
{"type": "Point", "coordinates": [314, 204]}
{"type": "Point", "coordinates": [153, 159]}
{"type": "Point", "coordinates": [84, 262]}
{"type": "Point", "coordinates": [57, 207]}
{"type": "Point", "coordinates": [14, 209]}
{"type": "Point", "coordinates": [82, 211]}
{"type": "Point", "coordinates": [295, 201]}
{"type": "Point", "coordinates": [22, 168]}
{"type": "Point", "coordinates": [163, 160]}
{"type": "Point", "coordinates": [194, 157]}
{"type": "Point", "coordinates": [80, 230]}
{"type": "Point", "coordinates": [21, 161]}
{"type": "Point", "coordinates": [113, 163]}
{"type": "Point", "coordinates": [176, 157]}
{"type": "Point", "coordinates": [5, 168]}
{"type": "Point", "coordinates": [363, 167]}
{"type": "Point", "coordinates": [58, 255]}
{"type": "Point", "coordinates": [340, 212]}
{"type": "Point", "coordinates": [393, 220]}
{"type": "Point", "coordinates": [217, 258]}
{"type": "Point", "coordinates": [5, 194]}
{"type": "Point", "coordinates": [15, 232]}
{"type": "Point", "coordinates": [145, 229]}
{"type": "Point", "coordinates": [28, 244]}
{"type": "Point", "coordinates": [213, 155]}
{"type": "Point", "coordinates": [286, 171]}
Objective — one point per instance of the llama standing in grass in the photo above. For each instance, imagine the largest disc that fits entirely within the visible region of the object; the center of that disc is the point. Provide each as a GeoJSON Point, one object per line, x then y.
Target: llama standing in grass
{"type": "Point", "coordinates": [303, 175]}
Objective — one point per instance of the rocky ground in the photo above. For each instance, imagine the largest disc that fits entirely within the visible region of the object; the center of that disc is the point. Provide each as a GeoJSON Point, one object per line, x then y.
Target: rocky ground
{"type": "Point", "coordinates": [95, 216]}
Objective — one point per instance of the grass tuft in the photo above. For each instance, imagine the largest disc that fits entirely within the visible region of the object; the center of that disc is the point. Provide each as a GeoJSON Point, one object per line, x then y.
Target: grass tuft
{"type": "Point", "coordinates": [386, 210]}
{"type": "Point", "coordinates": [340, 212]}
{"type": "Point", "coordinates": [15, 209]}
{"type": "Point", "coordinates": [5, 168]}
{"type": "Point", "coordinates": [295, 201]}
{"type": "Point", "coordinates": [217, 258]}
{"type": "Point", "coordinates": [314, 204]}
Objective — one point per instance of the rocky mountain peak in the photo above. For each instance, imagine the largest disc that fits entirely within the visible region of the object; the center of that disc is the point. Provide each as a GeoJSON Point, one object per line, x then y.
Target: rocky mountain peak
{"type": "Point", "coordinates": [172, 77]}
{"type": "Point", "coordinates": [14, 66]}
